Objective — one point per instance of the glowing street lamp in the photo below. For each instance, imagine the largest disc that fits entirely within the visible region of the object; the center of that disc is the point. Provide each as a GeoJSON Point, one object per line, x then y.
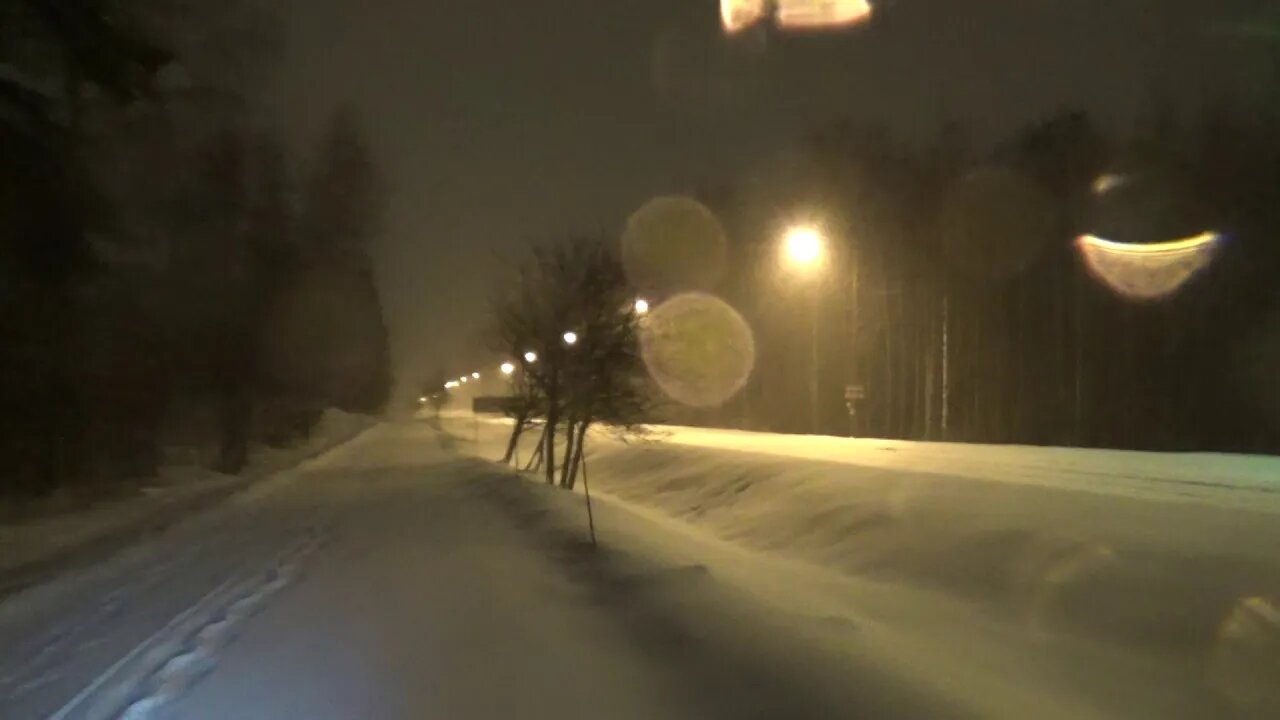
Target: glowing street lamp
{"type": "Point", "coordinates": [507, 368]}
{"type": "Point", "coordinates": [570, 338]}
{"type": "Point", "coordinates": [641, 306]}
{"type": "Point", "coordinates": [464, 378]}
{"type": "Point", "coordinates": [531, 357]}
{"type": "Point", "coordinates": [475, 376]}
{"type": "Point", "coordinates": [803, 247]}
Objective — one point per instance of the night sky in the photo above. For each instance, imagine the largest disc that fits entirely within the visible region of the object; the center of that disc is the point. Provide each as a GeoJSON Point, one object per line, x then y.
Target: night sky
{"type": "Point", "coordinates": [503, 121]}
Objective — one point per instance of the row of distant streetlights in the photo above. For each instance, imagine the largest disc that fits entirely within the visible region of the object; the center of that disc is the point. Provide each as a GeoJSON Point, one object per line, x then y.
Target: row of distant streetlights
{"type": "Point", "coordinates": [641, 306]}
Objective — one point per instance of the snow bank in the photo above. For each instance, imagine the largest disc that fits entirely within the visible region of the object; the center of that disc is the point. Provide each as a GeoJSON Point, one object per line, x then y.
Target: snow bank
{"type": "Point", "coordinates": [36, 548]}
{"type": "Point", "coordinates": [1198, 476]}
{"type": "Point", "coordinates": [1171, 556]}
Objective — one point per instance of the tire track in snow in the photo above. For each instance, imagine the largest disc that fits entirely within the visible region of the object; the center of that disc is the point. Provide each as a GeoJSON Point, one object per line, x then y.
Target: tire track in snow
{"type": "Point", "coordinates": [161, 668]}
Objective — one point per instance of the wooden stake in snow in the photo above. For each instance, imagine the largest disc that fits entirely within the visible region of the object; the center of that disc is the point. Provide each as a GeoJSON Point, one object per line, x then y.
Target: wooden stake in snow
{"type": "Point", "coordinates": [586, 489]}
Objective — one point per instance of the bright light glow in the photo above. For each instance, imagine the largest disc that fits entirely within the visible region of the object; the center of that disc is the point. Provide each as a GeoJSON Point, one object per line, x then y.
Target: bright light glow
{"type": "Point", "coordinates": [451, 384]}
{"type": "Point", "coordinates": [641, 306]}
{"type": "Point", "coordinates": [475, 376]}
{"type": "Point", "coordinates": [1107, 182]}
{"type": "Point", "coordinates": [570, 338]}
{"type": "Point", "coordinates": [737, 15]}
{"type": "Point", "coordinates": [1147, 271]}
{"type": "Point", "coordinates": [464, 378]}
{"type": "Point", "coordinates": [507, 368]}
{"type": "Point", "coordinates": [803, 247]}
{"type": "Point", "coordinates": [821, 14]}
{"type": "Point", "coordinates": [422, 399]}
{"type": "Point", "coordinates": [531, 357]}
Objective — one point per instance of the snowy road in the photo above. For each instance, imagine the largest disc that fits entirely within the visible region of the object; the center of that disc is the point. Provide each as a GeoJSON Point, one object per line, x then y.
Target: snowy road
{"type": "Point", "coordinates": [393, 579]}
{"type": "Point", "coordinates": [397, 578]}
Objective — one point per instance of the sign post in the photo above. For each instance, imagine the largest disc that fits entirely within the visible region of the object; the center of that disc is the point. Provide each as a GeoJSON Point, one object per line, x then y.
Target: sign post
{"type": "Point", "coordinates": [852, 394]}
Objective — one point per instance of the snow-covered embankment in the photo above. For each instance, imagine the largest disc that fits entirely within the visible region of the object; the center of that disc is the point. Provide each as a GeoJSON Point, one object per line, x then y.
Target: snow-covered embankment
{"type": "Point", "coordinates": [1165, 564]}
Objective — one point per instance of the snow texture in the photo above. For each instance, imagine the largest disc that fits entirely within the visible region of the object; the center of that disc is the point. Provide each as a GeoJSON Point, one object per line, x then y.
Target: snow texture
{"type": "Point", "coordinates": [396, 577]}
{"type": "Point", "coordinates": [1096, 561]}
{"type": "Point", "coordinates": [38, 547]}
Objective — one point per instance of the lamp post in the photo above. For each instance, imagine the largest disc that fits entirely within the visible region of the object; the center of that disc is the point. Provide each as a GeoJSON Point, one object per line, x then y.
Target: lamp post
{"type": "Point", "coordinates": [804, 252]}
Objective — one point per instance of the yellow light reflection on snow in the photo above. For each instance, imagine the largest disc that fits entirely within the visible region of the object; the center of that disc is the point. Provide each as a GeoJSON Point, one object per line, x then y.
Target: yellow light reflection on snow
{"type": "Point", "coordinates": [738, 15]}
{"type": "Point", "coordinates": [816, 14]}
{"type": "Point", "coordinates": [1147, 271]}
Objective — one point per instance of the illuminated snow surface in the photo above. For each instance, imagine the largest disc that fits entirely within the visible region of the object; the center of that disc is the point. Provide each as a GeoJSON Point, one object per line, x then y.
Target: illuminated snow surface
{"type": "Point", "coordinates": [740, 575]}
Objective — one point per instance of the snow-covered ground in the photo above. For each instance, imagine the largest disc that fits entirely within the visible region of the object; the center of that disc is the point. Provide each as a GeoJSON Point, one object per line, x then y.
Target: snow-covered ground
{"type": "Point", "coordinates": [1080, 564]}
{"type": "Point", "coordinates": [32, 549]}
{"type": "Point", "coordinates": [397, 578]}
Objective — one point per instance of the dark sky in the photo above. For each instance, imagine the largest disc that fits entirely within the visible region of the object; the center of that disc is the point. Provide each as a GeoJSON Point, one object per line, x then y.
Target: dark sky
{"type": "Point", "coordinates": [506, 120]}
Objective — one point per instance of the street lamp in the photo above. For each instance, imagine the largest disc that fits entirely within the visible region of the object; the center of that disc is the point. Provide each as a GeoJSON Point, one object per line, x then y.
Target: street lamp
{"type": "Point", "coordinates": [475, 376]}
{"type": "Point", "coordinates": [464, 378]}
{"type": "Point", "coordinates": [570, 338]}
{"type": "Point", "coordinates": [507, 368]}
{"type": "Point", "coordinates": [641, 306]}
{"type": "Point", "coordinates": [531, 357]}
{"type": "Point", "coordinates": [803, 248]}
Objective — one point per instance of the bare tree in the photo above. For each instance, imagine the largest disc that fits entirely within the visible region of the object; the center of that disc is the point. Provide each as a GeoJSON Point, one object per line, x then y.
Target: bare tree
{"type": "Point", "coordinates": [573, 287]}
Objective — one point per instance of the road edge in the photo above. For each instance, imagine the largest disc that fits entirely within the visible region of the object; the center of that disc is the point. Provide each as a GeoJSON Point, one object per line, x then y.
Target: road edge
{"type": "Point", "coordinates": [100, 546]}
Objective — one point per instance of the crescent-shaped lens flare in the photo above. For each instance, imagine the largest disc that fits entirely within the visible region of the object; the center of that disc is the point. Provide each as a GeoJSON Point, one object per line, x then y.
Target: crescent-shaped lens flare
{"type": "Point", "coordinates": [821, 14]}
{"type": "Point", "coordinates": [1147, 271]}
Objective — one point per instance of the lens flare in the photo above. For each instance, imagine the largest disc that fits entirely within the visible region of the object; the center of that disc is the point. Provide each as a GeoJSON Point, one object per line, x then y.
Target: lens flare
{"type": "Point", "coordinates": [1147, 271]}
{"type": "Point", "coordinates": [1247, 655]}
{"type": "Point", "coordinates": [821, 14]}
{"type": "Point", "coordinates": [1108, 182]}
{"type": "Point", "coordinates": [738, 15]}
{"type": "Point", "coordinates": [673, 244]}
{"type": "Point", "coordinates": [698, 349]}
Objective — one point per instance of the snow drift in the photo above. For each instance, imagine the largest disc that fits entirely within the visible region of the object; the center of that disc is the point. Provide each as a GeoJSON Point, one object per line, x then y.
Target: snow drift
{"type": "Point", "coordinates": [1168, 557]}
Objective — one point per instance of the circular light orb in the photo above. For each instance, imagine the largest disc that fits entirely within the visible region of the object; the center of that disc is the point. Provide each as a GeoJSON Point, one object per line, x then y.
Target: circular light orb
{"type": "Point", "coordinates": [570, 338]}
{"type": "Point", "coordinates": [698, 349]}
{"type": "Point", "coordinates": [641, 306]}
{"type": "Point", "coordinates": [464, 378]}
{"type": "Point", "coordinates": [531, 357]}
{"type": "Point", "coordinates": [507, 368]}
{"type": "Point", "coordinates": [475, 376]}
{"type": "Point", "coordinates": [673, 244]}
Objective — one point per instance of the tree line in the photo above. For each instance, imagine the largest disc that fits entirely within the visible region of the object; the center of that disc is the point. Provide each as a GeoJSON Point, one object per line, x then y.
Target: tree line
{"type": "Point", "coordinates": [956, 295]}
{"type": "Point", "coordinates": [172, 274]}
